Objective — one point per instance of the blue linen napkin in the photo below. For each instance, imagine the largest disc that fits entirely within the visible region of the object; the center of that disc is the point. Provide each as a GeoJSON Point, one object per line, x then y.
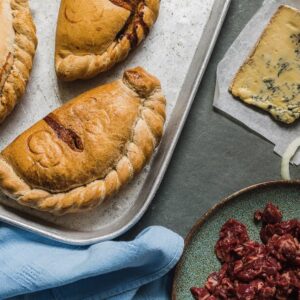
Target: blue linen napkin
{"type": "Point", "coordinates": [44, 270]}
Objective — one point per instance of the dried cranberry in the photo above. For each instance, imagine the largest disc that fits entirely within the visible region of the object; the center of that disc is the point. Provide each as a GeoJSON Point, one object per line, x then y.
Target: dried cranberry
{"type": "Point", "coordinates": [200, 293]}
{"type": "Point", "coordinates": [245, 291]}
{"type": "Point", "coordinates": [258, 215]}
{"type": "Point", "coordinates": [287, 227]}
{"type": "Point", "coordinates": [225, 289]}
{"type": "Point", "coordinates": [267, 292]}
{"type": "Point", "coordinates": [212, 282]}
{"type": "Point", "coordinates": [285, 248]}
{"type": "Point", "coordinates": [232, 234]}
{"type": "Point", "coordinates": [249, 248]}
{"type": "Point", "coordinates": [271, 214]}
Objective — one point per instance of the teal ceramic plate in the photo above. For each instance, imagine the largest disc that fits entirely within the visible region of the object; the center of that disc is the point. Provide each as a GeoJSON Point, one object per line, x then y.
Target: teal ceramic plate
{"type": "Point", "coordinates": [199, 259]}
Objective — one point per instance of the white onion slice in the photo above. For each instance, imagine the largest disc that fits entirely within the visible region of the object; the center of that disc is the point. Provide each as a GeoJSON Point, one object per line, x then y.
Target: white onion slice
{"type": "Point", "coordinates": [286, 158]}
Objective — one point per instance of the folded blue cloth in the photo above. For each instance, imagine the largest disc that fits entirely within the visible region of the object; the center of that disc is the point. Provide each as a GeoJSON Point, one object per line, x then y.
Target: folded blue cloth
{"type": "Point", "coordinates": [45, 270]}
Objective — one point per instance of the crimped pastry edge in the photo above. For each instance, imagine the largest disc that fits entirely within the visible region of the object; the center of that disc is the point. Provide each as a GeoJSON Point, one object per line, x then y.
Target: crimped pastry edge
{"type": "Point", "coordinates": [287, 116]}
{"type": "Point", "coordinates": [148, 130]}
{"type": "Point", "coordinates": [73, 67]}
{"type": "Point", "coordinates": [24, 49]}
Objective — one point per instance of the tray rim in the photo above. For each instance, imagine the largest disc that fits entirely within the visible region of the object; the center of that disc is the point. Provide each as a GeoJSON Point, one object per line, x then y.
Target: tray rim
{"type": "Point", "coordinates": [190, 87]}
{"type": "Point", "coordinates": [214, 209]}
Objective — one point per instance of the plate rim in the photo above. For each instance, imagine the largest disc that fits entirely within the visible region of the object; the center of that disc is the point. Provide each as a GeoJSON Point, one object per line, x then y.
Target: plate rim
{"type": "Point", "coordinates": [211, 211]}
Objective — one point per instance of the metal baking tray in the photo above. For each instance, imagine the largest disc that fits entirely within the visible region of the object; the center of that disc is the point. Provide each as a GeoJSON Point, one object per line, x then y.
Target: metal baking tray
{"type": "Point", "coordinates": [180, 68]}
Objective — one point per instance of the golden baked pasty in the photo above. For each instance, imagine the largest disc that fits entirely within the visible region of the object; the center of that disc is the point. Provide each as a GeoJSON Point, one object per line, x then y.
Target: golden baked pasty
{"type": "Point", "coordinates": [17, 48]}
{"type": "Point", "coordinates": [92, 36]}
{"type": "Point", "coordinates": [84, 151]}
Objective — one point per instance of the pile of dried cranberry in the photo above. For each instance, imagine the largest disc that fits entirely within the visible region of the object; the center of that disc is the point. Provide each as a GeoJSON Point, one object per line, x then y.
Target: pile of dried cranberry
{"type": "Point", "coordinates": [251, 270]}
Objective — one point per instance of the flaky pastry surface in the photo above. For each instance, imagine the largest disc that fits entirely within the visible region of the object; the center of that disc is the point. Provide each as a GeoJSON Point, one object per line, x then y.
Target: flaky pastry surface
{"type": "Point", "coordinates": [92, 36]}
{"type": "Point", "coordinates": [17, 48]}
{"type": "Point", "coordinates": [86, 150]}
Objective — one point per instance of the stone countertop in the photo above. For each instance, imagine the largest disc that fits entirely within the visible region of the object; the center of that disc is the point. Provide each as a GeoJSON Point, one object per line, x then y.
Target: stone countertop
{"type": "Point", "coordinates": [214, 156]}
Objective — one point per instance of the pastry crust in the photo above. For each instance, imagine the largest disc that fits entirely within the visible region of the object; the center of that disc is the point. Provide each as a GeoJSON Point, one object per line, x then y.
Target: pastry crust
{"type": "Point", "coordinates": [92, 36]}
{"type": "Point", "coordinates": [86, 150]}
{"type": "Point", "coordinates": [17, 48]}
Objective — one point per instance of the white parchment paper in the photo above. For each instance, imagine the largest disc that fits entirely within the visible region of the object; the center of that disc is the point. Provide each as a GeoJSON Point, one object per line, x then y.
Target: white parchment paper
{"type": "Point", "coordinates": [257, 121]}
{"type": "Point", "coordinates": [167, 53]}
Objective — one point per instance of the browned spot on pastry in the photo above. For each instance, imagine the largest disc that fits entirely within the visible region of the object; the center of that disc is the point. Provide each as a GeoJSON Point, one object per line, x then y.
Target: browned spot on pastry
{"type": "Point", "coordinates": [5, 68]}
{"type": "Point", "coordinates": [143, 24]}
{"type": "Point", "coordinates": [65, 134]}
{"type": "Point", "coordinates": [136, 18]}
{"type": "Point", "coordinates": [141, 82]}
{"type": "Point", "coordinates": [122, 32]}
{"type": "Point", "coordinates": [127, 4]}
{"type": "Point", "coordinates": [133, 38]}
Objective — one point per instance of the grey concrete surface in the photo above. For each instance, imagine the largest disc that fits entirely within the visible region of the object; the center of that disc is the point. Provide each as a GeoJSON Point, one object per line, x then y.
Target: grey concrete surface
{"type": "Point", "coordinates": [215, 156]}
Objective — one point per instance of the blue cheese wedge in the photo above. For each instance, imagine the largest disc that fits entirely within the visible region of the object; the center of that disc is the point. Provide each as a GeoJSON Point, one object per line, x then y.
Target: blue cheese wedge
{"type": "Point", "coordinates": [270, 77]}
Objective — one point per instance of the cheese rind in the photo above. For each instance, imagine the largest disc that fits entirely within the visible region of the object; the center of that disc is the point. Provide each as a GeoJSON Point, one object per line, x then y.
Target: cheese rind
{"type": "Point", "coordinates": [270, 77]}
